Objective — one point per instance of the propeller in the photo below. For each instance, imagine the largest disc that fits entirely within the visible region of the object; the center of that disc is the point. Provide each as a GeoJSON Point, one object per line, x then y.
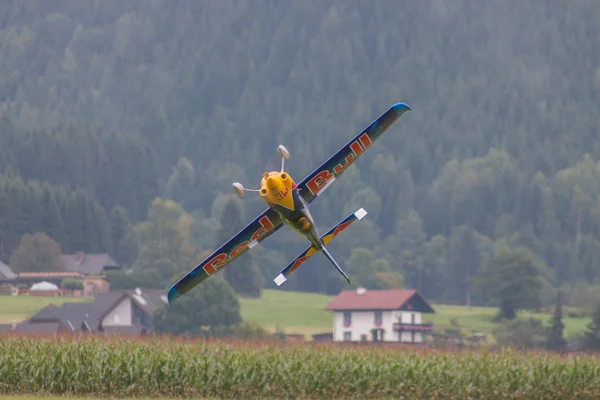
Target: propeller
{"type": "Point", "coordinates": [283, 153]}
{"type": "Point", "coordinates": [239, 188]}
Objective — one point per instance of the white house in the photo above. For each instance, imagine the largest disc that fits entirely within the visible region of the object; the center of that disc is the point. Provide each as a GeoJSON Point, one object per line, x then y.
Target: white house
{"type": "Point", "coordinates": [379, 316]}
{"type": "Point", "coordinates": [132, 308]}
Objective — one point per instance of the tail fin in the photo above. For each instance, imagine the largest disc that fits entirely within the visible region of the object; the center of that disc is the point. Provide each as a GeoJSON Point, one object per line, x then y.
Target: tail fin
{"type": "Point", "coordinates": [326, 238]}
{"type": "Point", "coordinates": [335, 264]}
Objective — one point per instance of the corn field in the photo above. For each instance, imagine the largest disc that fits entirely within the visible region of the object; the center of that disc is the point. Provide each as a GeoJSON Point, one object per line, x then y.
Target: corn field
{"type": "Point", "coordinates": [152, 367]}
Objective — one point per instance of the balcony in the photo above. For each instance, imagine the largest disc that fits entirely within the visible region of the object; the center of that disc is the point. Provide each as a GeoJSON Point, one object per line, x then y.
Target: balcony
{"type": "Point", "coordinates": [426, 327]}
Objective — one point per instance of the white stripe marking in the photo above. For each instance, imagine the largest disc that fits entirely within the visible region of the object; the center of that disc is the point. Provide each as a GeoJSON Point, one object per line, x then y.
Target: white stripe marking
{"type": "Point", "coordinates": [360, 214]}
{"type": "Point", "coordinates": [326, 186]}
{"type": "Point", "coordinates": [280, 279]}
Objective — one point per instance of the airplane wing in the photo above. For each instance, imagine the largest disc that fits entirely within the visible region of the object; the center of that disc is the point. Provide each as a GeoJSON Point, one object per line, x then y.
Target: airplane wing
{"type": "Point", "coordinates": [260, 228]}
{"type": "Point", "coordinates": [320, 179]}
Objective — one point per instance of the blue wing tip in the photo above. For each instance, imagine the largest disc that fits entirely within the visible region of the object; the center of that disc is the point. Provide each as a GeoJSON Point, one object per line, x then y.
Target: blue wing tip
{"type": "Point", "coordinates": [172, 295]}
{"type": "Point", "coordinates": [401, 107]}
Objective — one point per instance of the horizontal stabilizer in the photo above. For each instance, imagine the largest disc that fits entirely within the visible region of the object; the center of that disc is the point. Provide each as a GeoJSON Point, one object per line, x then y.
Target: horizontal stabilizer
{"type": "Point", "coordinates": [327, 237]}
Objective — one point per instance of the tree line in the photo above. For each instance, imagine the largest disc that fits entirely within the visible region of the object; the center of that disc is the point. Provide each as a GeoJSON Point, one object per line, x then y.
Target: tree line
{"type": "Point", "coordinates": [73, 218]}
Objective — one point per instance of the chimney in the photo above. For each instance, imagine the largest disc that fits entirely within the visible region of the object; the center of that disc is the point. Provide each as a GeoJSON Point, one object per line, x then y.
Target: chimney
{"type": "Point", "coordinates": [79, 257]}
{"type": "Point", "coordinates": [14, 325]}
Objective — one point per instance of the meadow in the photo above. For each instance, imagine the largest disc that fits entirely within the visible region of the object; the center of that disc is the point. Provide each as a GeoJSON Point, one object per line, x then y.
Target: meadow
{"type": "Point", "coordinates": [22, 307]}
{"type": "Point", "coordinates": [303, 313]}
{"type": "Point", "coordinates": [97, 366]}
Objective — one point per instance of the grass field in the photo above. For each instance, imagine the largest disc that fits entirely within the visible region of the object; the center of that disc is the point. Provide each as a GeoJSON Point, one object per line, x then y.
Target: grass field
{"type": "Point", "coordinates": [74, 397]}
{"type": "Point", "coordinates": [479, 318]}
{"type": "Point", "coordinates": [294, 313]}
{"type": "Point", "coordinates": [300, 313]}
{"type": "Point", "coordinates": [303, 313]}
{"type": "Point", "coordinates": [85, 366]}
{"type": "Point", "coordinates": [22, 307]}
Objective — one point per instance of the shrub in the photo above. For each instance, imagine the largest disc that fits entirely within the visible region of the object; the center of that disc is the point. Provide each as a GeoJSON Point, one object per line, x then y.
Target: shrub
{"type": "Point", "coordinates": [72, 284]}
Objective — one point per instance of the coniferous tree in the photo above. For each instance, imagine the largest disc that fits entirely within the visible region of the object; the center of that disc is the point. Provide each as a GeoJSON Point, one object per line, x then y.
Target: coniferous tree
{"type": "Point", "coordinates": [591, 336]}
{"type": "Point", "coordinates": [50, 218]}
{"type": "Point", "coordinates": [119, 222]}
{"type": "Point", "coordinates": [555, 340]}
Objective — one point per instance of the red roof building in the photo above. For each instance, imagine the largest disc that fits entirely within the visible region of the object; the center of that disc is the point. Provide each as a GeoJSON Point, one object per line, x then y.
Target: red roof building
{"type": "Point", "coordinates": [379, 316]}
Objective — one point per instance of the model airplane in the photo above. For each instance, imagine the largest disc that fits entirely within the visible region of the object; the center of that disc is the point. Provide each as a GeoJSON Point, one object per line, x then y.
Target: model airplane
{"type": "Point", "coordinates": [288, 205]}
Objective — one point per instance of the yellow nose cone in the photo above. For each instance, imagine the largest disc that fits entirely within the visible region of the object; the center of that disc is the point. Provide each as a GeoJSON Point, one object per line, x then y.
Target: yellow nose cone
{"type": "Point", "coordinates": [276, 189]}
{"type": "Point", "coordinates": [273, 183]}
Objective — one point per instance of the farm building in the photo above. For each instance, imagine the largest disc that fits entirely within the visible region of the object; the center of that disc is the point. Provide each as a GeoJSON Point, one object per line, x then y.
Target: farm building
{"type": "Point", "coordinates": [379, 316]}
{"type": "Point", "coordinates": [87, 268]}
{"type": "Point", "coordinates": [121, 311]}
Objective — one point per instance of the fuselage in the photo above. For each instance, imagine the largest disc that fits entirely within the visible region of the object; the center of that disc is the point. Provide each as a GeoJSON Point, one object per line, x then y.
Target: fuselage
{"type": "Point", "coordinates": [279, 191]}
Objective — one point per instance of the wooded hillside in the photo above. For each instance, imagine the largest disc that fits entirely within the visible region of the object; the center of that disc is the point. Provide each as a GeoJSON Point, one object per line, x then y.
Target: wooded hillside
{"type": "Point", "coordinates": [126, 101]}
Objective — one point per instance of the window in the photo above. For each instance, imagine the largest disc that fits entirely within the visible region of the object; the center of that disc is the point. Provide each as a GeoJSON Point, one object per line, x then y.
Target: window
{"type": "Point", "coordinates": [347, 318]}
{"type": "Point", "coordinates": [378, 318]}
{"type": "Point", "coordinates": [116, 319]}
{"type": "Point", "coordinates": [347, 336]}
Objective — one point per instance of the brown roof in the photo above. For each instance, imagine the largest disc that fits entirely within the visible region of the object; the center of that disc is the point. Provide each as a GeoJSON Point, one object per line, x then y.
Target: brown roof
{"type": "Point", "coordinates": [49, 274]}
{"type": "Point", "coordinates": [370, 300]}
{"type": "Point", "coordinates": [89, 263]}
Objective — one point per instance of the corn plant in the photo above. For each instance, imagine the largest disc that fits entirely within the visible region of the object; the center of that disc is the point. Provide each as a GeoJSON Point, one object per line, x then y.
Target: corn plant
{"type": "Point", "coordinates": [168, 367]}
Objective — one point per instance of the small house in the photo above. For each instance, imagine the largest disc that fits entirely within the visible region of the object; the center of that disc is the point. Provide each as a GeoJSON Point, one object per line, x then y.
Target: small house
{"type": "Point", "coordinates": [120, 312]}
{"type": "Point", "coordinates": [379, 316]}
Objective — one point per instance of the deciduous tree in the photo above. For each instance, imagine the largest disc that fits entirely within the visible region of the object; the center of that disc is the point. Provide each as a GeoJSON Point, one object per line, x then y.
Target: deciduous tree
{"type": "Point", "coordinates": [511, 279]}
{"type": "Point", "coordinates": [165, 250]}
{"type": "Point", "coordinates": [37, 253]}
{"type": "Point", "coordinates": [211, 307]}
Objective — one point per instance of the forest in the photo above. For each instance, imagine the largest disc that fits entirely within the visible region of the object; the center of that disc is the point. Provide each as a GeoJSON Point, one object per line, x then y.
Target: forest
{"type": "Point", "coordinates": [123, 125]}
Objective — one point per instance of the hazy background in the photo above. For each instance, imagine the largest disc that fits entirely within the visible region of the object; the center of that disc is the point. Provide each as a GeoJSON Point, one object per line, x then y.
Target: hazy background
{"type": "Point", "coordinates": [108, 104]}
